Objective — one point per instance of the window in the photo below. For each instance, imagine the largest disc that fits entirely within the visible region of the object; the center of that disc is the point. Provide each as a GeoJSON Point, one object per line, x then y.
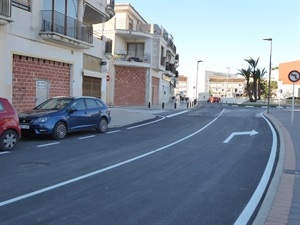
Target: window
{"type": "Point", "coordinates": [136, 50]}
{"type": "Point", "coordinates": [130, 25]}
{"type": "Point", "coordinates": [22, 4]}
{"type": "Point", "coordinates": [78, 104]}
{"type": "Point", "coordinates": [91, 103]}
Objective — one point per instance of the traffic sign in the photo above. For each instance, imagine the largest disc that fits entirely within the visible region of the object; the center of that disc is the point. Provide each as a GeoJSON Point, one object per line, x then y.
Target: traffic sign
{"type": "Point", "coordinates": [294, 76]}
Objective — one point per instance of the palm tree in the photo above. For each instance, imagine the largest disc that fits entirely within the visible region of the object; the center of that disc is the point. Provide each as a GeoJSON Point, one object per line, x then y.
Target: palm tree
{"type": "Point", "coordinates": [259, 74]}
{"type": "Point", "coordinates": [247, 74]}
{"type": "Point", "coordinates": [253, 65]}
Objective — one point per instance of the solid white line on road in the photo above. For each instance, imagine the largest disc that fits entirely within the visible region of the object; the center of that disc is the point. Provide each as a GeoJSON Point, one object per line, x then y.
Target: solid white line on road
{"type": "Point", "coordinates": [256, 197]}
{"type": "Point", "coordinates": [53, 143]}
{"type": "Point", "coordinates": [144, 124]}
{"type": "Point", "coordinates": [106, 168]}
{"type": "Point", "coordinates": [176, 114]}
{"type": "Point", "coordinates": [90, 136]}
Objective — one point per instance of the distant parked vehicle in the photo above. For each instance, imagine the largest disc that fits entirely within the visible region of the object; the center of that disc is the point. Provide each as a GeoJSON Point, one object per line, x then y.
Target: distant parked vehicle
{"type": "Point", "coordinates": [10, 131]}
{"type": "Point", "coordinates": [214, 99]}
{"type": "Point", "coordinates": [61, 115]}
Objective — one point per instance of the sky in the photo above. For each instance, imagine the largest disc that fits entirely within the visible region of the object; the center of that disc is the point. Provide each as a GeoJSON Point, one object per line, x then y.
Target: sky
{"type": "Point", "coordinates": [223, 33]}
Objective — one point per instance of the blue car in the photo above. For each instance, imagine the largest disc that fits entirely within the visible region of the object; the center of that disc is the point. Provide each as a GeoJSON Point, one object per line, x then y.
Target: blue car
{"type": "Point", "coordinates": [61, 115]}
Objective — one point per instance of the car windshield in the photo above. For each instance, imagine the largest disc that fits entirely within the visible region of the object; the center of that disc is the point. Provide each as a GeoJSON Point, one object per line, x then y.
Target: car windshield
{"type": "Point", "coordinates": [54, 104]}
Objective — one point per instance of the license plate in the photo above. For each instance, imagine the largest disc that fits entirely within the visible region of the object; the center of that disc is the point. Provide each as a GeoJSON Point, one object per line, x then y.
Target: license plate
{"type": "Point", "coordinates": [23, 126]}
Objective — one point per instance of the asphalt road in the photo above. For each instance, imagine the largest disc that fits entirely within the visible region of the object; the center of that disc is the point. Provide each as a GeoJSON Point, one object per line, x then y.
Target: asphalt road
{"type": "Point", "coordinates": [198, 167]}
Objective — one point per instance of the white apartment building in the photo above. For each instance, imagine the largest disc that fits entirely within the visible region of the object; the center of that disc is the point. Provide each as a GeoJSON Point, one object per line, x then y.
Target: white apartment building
{"type": "Point", "coordinates": [48, 49]}
{"type": "Point", "coordinates": [224, 84]}
{"type": "Point", "coordinates": [143, 67]}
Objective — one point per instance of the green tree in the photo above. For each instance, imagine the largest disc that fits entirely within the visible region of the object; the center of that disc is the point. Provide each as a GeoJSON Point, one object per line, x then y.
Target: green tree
{"type": "Point", "coordinates": [253, 68]}
{"type": "Point", "coordinates": [265, 88]}
{"type": "Point", "coordinates": [246, 74]}
{"type": "Point", "coordinates": [259, 74]}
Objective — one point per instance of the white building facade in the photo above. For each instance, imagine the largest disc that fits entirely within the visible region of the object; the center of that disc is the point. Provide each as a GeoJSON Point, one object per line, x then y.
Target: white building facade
{"type": "Point", "coordinates": [48, 49]}
{"type": "Point", "coordinates": [143, 68]}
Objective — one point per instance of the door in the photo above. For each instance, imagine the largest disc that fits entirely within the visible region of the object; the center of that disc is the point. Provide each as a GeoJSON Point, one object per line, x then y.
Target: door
{"type": "Point", "coordinates": [42, 91]}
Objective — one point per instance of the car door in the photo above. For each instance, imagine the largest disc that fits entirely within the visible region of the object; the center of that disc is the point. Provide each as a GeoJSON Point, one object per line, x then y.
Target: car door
{"type": "Point", "coordinates": [78, 117]}
{"type": "Point", "coordinates": [93, 112]}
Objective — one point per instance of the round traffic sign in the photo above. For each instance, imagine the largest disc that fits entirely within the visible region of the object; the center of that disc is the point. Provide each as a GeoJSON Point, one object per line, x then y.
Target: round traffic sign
{"type": "Point", "coordinates": [294, 76]}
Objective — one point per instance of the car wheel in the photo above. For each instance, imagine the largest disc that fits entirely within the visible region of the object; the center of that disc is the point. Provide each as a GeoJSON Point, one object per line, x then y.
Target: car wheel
{"type": "Point", "coordinates": [60, 131]}
{"type": "Point", "coordinates": [102, 126]}
{"type": "Point", "coordinates": [9, 140]}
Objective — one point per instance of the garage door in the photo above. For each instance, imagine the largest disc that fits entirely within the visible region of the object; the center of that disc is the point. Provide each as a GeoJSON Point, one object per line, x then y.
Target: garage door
{"type": "Point", "coordinates": [91, 86]}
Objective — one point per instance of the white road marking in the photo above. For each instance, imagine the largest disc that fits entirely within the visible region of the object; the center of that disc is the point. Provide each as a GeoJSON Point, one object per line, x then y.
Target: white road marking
{"type": "Point", "coordinates": [44, 145]}
{"type": "Point", "coordinates": [176, 114]}
{"type": "Point", "coordinates": [87, 137]}
{"type": "Point", "coordinates": [31, 194]}
{"type": "Point", "coordinates": [250, 133]}
{"type": "Point", "coordinates": [3, 153]}
{"type": "Point", "coordinates": [257, 195]}
{"type": "Point", "coordinates": [111, 132]}
{"type": "Point", "coordinates": [144, 124]}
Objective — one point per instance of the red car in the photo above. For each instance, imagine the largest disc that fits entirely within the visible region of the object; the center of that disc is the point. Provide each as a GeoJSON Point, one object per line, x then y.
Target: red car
{"type": "Point", "coordinates": [10, 131]}
{"type": "Point", "coordinates": [214, 99]}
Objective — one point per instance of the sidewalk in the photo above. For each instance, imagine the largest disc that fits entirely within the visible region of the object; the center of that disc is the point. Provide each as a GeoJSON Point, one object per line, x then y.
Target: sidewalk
{"type": "Point", "coordinates": [126, 115]}
{"type": "Point", "coordinates": [281, 204]}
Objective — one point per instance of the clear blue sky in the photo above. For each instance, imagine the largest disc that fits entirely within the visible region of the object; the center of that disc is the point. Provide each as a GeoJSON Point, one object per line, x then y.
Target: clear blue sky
{"type": "Point", "coordinates": [223, 33]}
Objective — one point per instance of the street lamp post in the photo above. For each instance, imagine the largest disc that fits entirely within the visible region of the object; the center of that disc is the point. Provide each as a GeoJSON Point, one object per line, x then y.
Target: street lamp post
{"type": "Point", "coordinates": [199, 61]}
{"type": "Point", "coordinates": [228, 69]}
{"type": "Point", "coordinates": [270, 68]}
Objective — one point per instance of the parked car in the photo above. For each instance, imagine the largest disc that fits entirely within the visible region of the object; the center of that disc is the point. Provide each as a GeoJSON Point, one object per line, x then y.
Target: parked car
{"type": "Point", "coordinates": [214, 99]}
{"type": "Point", "coordinates": [10, 131]}
{"type": "Point", "coordinates": [61, 115]}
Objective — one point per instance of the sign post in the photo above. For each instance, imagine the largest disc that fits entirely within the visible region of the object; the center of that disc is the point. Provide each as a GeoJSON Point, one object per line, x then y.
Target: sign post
{"type": "Point", "coordinates": [293, 76]}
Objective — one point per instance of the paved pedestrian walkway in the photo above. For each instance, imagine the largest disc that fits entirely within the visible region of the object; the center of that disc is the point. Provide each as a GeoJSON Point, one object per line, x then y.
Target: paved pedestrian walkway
{"type": "Point", "coordinates": [281, 205]}
{"type": "Point", "coordinates": [125, 115]}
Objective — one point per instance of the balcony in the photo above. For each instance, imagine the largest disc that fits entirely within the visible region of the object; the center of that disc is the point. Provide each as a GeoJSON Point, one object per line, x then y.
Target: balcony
{"type": "Point", "coordinates": [57, 27]}
{"type": "Point", "coordinates": [162, 32]}
{"type": "Point", "coordinates": [132, 30]}
{"type": "Point", "coordinates": [5, 12]}
{"type": "Point", "coordinates": [97, 12]}
{"type": "Point", "coordinates": [137, 59]}
{"type": "Point", "coordinates": [170, 70]}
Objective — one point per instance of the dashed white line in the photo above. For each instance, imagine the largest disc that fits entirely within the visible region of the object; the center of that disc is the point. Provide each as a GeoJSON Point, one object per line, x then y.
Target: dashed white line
{"type": "Point", "coordinates": [2, 153]}
{"type": "Point", "coordinates": [44, 145]}
{"type": "Point", "coordinates": [90, 136]}
{"type": "Point", "coordinates": [31, 194]}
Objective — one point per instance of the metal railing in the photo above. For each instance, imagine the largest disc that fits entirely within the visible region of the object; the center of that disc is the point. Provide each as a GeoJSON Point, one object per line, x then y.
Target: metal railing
{"type": "Point", "coordinates": [5, 8]}
{"type": "Point", "coordinates": [56, 22]}
{"type": "Point", "coordinates": [129, 56]}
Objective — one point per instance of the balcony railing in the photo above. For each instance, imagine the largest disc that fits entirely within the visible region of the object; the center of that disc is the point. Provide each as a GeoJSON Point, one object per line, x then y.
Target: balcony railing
{"type": "Point", "coordinates": [143, 57]}
{"type": "Point", "coordinates": [125, 24]}
{"type": "Point", "coordinates": [5, 8]}
{"type": "Point", "coordinates": [56, 22]}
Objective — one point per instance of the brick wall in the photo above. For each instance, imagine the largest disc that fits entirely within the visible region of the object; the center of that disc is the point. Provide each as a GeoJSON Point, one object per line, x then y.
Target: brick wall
{"type": "Point", "coordinates": [26, 70]}
{"type": "Point", "coordinates": [130, 86]}
{"type": "Point", "coordinates": [155, 90]}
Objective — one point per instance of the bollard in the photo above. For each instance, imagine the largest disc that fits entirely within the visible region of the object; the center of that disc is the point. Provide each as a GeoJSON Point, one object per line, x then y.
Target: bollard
{"type": "Point", "coordinates": [163, 105]}
{"type": "Point", "coordinates": [175, 105]}
{"type": "Point", "coordinates": [149, 105]}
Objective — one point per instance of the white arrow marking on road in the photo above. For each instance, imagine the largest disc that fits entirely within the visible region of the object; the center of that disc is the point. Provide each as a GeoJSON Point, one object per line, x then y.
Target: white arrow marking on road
{"type": "Point", "coordinates": [253, 132]}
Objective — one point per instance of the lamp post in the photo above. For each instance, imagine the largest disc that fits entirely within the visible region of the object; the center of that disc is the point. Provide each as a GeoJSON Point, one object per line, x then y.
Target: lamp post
{"type": "Point", "coordinates": [270, 68]}
{"type": "Point", "coordinates": [228, 69]}
{"type": "Point", "coordinates": [199, 61]}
